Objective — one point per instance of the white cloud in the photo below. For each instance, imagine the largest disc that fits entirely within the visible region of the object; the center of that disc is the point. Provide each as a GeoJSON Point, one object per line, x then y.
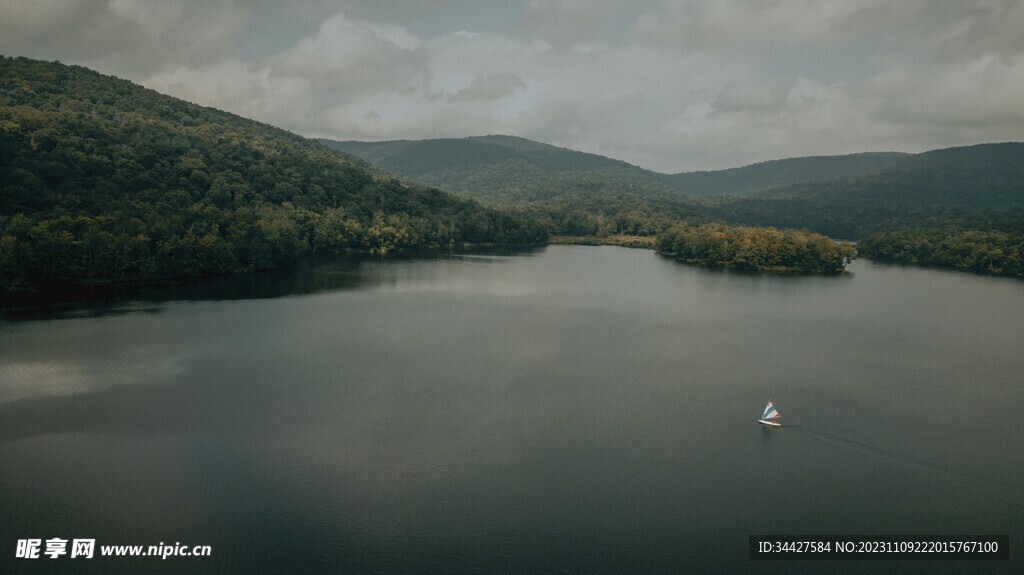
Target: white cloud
{"type": "Point", "coordinates": [972, 91]}
{"type": "Point", "coordinates": [344, 61]}
{"type": "Point", "coordinates": [724, 23]}
{"type": "Point", "coordinates": [760, 94]}
{"type": "Point", "coordinates": [669, 85]}
{"type": "Point", "coordinates": [352, 54]}
{"type": "Point", "coordinates": [124, 37]}
{"type": "Point", "coordinates": [568, 20]}
{"type": "Point", "coordinates": [246, 89]}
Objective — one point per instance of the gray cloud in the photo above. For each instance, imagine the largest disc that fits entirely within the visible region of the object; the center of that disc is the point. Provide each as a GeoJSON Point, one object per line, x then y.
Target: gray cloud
{"type": "Point", "coordinates": [735, 24]}
{"type": "Point", "coordinates": [490, 88]}
{"type": "Point", "coordinates": [762, 95]}
{"type": "Point", "coordinates": [566, 21]}
{"type": "Point", "coordinates": [127, 37]}
{"type": "Point", "coordinates": [670, 85]}
{"type": "Point", "coordinates": [356, 55]}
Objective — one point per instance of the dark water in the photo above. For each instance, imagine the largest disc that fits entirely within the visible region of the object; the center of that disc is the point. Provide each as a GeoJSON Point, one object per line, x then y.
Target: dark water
{"type": "Point", "coordinates": [572, 410]}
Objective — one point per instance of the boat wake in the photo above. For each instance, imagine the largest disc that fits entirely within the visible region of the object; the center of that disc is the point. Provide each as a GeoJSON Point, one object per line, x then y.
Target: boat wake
{"type": "Point", "coordinates": [864, 447]}
{"type": "Point", "coordinates": [943, 474]}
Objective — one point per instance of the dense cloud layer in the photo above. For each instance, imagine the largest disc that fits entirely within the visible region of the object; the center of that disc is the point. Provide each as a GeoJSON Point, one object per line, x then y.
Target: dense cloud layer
{"type": "Point", "coordinates": [668, 85]}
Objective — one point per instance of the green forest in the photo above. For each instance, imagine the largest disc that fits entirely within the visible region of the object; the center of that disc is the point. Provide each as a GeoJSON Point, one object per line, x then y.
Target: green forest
{"type": "Point", "coordinates": [773, 174]}
{"type": "Point", "coordinates": [755, 248]}
{"type": "Point", "coordinates": [103, 180]}
{"type": "Point", "coordinates": [573, 193]}
{"type": "Point", "coordinates": [960, 208]}
{"type": "Point", "coordinates": [987, 252]}
{"type": "Point", "coordinates": [978, 186]}
{"type": "Point", "coordinates": [964, 192]}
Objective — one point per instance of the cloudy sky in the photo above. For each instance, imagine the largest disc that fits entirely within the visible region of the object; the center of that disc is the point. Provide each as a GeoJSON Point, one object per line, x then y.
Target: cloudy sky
{"type": "Point", "coordinates": [669, 85]}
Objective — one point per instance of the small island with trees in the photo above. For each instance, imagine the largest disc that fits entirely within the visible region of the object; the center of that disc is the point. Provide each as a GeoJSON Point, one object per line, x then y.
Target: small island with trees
{"type": "Point", "coordinates": [755, 249]}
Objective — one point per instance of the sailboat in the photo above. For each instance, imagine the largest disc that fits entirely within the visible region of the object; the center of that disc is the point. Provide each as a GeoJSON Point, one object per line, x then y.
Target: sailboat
{"type": "Point", "coordinates": [770, 416]}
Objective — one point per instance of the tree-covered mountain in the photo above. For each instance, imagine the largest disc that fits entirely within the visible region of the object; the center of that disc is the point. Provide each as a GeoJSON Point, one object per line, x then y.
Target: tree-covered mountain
{"type": "Point", "coordinates": [482, 167]}
{"type": "Point", "coordinates": [958, 194]}
{"type": "Point", "coordinates": [764, 176]}
{"type": "Point", "coordinates": [587, 194]}
{"type": "Point", "coordinates": [979, 187]}
{"type": "Point", "coordinates": [507, 169]}
{"type": "Point", "coordinates": [104, 180]}
{"type": "Point", "coordinates": [575, 193]}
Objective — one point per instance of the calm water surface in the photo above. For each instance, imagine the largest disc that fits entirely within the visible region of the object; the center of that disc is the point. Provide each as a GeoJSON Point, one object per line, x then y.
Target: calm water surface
{"type": "Point", "coordinates": [570, 410]}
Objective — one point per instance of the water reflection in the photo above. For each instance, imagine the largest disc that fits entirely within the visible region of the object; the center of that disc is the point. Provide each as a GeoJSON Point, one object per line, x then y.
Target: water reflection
{"type": "Point", "coordinates": [307, 276]}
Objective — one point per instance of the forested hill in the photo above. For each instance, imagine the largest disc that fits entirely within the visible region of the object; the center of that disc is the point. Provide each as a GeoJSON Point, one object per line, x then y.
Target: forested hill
{"type": "Point", "coordinates": [574, 193]}
{"type": "Point", "coordinates": [103, 180]}
{"type": "Point", "coordinates": [483, 167]}
{"type": "Point", "coordinates": [507, 169]}
{"type": "Point", "coordinates": [958, 207]}
{"type": "Point", "coordinates": [978, 187]}
{"type": "Point", "coordinates": [419, 157]}
{"type": "Point", "coordinates": [764, 176]}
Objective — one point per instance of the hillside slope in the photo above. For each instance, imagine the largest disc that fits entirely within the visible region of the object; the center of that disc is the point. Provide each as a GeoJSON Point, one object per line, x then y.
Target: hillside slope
{"type": "Point", "coordinates": [764, 176]}
{"type": "Point", "coordinates": [507, 169]}
{"type": "Point", "coordinates": [574, 193]}
{"type": "Point", "coordinates": [481, 167]}
{"type": "Point", "coordinates": [980, 186]}
{"type": "Point", "coordinates": [958, 207]}
{"type": "Point", "coordinates": [104, 180]}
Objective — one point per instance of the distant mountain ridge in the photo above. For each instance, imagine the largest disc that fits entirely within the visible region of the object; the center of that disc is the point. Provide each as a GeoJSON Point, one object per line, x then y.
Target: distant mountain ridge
{"type": "Point", "coordinates": [480, 167]}
{"type": "Point", "coordinates": [575, 193]}
{"type": "Point", "coordinates": [506, 169]}
{"type": "Point", "coordinates": [421, 157]}
{"type": "Point", "coordinates": [844, 196]}
{"type": "Point", "coordinates": [980, 186]}
{"type": "Point", "coordinates": [772, 174]}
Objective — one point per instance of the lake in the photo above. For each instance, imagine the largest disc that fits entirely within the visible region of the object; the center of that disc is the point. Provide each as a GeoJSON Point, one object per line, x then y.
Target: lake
{"type": "Point", "coordinates": [565, 410]}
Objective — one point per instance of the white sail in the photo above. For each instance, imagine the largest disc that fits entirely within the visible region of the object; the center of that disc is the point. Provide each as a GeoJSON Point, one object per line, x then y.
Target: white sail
{"type": "Point", "coordinates": [770, 412]}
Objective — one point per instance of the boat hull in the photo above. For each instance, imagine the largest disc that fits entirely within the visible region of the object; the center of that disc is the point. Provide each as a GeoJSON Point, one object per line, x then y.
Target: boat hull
{"type": "Point", "coordinates": [771, 423]}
